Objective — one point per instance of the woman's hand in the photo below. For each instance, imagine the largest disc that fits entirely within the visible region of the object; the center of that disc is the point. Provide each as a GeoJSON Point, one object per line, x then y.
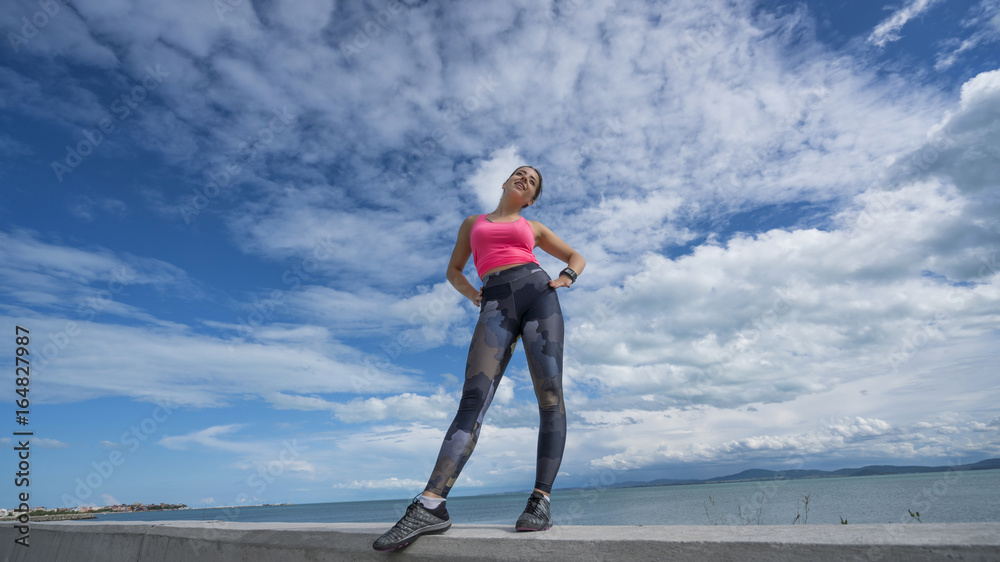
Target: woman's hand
{"type": "Point", "coordinates": [561, 281]}
{"type": "Point", "coordinates": [478, 299]}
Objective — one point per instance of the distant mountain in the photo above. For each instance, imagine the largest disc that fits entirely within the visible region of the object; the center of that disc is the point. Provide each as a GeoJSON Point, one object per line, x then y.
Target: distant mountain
{"type": "Point", "coordinates": [988, 464]}
{"type": "Point", "coordinates": [761, 474]}
{"type": "Point", "coordinates": [797, 474]}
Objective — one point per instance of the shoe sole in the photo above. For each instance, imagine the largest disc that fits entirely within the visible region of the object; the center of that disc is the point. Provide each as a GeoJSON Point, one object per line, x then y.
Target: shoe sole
{"type": "Point", "coordinates": [532, 528]}
{"type": "Point", "coordinates": [431, 531]}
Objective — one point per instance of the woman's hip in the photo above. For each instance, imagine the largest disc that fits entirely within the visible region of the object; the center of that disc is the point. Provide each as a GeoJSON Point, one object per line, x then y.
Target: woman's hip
{"type": "Point", "coordinates": [512, 274]}
{"type": "Point", "coordinates": [528, 290]}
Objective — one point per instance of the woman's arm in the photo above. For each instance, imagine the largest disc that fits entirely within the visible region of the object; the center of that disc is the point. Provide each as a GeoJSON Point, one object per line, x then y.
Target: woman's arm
{"type": "Point", "coordinates": [459, 257]}
{"type": "Point", "coordinates": [554, 246]}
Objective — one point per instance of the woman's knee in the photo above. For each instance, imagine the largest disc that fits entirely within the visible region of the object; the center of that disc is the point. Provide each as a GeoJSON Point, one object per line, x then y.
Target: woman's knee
{"type": "Point", "coordinates": [476, 398]}
{"type": "Point", "coordinates": [549, 399]}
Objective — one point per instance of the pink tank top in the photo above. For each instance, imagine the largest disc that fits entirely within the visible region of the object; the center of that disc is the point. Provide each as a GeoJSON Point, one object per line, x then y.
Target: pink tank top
{"type": "Point", "coordinates": [501, 243]}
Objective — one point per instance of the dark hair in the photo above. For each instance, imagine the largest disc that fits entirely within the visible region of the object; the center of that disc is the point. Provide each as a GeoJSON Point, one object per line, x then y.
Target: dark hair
{"type": "Point", "coordinates": [537, 191]}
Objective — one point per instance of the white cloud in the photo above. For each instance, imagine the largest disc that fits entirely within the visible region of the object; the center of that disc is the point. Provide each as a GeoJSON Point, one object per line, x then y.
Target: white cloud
{"type": "Point", "coordinates": [83, 282]}
{"type": "Point", "coordinates": [89, 360]}
{"type": "Point", "coordinates": [387, 483]}
{"type": "Point", "coordinates": [85, 357]}
{"type": "Point", "coordinates": [683, 440]}
{"type": "Point", "coordinates": [979, 426]}
{"type": "Point", "coordinates": [486, 180]}
{"type": "Point", "coordinates": [401, 407]}
{"type": "Point", "coordinates": [282, 401]}
{"type": "Point", "coordinates": [407, 406]}
{"type": "Point", "coordinates": [87, 208]}
{"type": "Point", "coordinates": [963, 147]}
{"type": "Point", "coordinates": [397, 484]}
{"type": "Point", "coordinates": [984, 23]}
{"type": "Point", "coordinates": [10, 146]}
{"type": "Point", "coordinates": [208, 437]}
{"type": "Point", "coordinates": [62, 34]}
{"type": "Point", "coordinates": [435, 315]}
{"type": "Point", "coordinates": [45, 443]}
{"type": "Point", "coordinates": [888, 30]}
{"type": "Point", "coordinates": [776, 314]}
{"type": "Point", "coordinates": [254, 455]}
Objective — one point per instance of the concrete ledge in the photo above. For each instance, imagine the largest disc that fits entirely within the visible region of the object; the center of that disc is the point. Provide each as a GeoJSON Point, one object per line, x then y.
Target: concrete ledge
{"type": "Point", "coordinates": [169, 541]}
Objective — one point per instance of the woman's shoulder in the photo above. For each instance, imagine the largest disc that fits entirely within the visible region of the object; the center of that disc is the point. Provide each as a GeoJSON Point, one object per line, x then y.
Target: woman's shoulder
{"type": "Point", "coordinates": [469, 221]}
{"type": "Point", "coordinates": [537, 226]}
{"type": "Point", "coordinates": [537, 229]}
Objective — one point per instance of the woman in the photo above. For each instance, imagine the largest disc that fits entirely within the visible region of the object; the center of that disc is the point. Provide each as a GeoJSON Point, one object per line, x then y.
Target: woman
{"type": "Point", "coordinates": [517, 301]}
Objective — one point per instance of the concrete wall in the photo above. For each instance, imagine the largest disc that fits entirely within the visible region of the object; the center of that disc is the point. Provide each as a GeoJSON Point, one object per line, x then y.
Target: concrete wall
{"type": "Point", "coordinates": [169, 541]}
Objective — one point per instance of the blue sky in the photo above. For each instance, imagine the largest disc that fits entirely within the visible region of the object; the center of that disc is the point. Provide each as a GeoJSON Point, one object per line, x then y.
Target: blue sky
{"type": "Point", "coordinates": [227, 231]}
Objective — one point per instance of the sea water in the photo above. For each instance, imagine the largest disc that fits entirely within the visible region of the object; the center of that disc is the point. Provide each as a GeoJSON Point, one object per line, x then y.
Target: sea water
{"type": "Point", "coordinates": [939, 497]}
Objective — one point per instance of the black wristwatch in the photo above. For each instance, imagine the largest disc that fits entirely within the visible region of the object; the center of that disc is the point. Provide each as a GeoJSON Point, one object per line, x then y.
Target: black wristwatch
{"type": "Point", "coordinates": [569, 273]}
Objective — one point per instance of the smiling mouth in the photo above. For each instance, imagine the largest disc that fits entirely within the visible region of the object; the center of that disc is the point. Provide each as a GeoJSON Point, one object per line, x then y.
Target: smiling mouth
{"type": "Point", "coordinates": [519, 185]}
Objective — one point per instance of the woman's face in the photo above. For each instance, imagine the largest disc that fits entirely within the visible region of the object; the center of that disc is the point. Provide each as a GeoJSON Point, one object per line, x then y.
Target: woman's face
{"type": "Point", "coordinates": [522, 184]}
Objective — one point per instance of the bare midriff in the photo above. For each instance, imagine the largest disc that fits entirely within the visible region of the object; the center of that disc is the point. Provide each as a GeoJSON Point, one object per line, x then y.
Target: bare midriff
{"type": "Point", "coordinates": [503, 267]}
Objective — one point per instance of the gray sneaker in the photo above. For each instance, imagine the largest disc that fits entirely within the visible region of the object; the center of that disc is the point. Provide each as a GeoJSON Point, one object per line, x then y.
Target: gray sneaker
{"type": "Point", "coordinates": [536, 515]}
{"type": "Point", "coordinates": [417, 521]}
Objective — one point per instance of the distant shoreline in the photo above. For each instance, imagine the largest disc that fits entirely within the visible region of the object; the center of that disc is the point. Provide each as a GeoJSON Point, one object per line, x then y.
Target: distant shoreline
{"type": "Point", "coordinates": [751, 475]}
{"type": "Point", "coordinates": [57, 517]}
{"type": "Point", "coordinates": [758, 474]}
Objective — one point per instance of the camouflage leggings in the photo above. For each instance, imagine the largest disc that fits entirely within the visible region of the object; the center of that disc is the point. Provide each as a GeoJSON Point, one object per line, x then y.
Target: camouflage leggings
{"type": "Point", "coordinates": [517, 303]}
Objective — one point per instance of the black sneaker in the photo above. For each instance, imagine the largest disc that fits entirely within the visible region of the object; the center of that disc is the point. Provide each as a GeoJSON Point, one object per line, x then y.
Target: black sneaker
{"type": "Point", "coordinates": [417, 521]}
{"type": "Point", "coordinates": [536, 515]}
